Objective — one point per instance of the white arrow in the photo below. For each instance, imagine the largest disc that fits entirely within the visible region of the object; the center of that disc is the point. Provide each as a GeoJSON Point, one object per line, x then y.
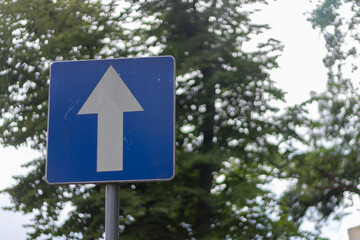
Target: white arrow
{"type": "Point", "coordinates": [110, 99]}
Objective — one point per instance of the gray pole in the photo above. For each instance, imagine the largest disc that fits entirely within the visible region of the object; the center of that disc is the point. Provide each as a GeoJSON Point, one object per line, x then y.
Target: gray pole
{"type": "Point", "coordinates": [112, 212]}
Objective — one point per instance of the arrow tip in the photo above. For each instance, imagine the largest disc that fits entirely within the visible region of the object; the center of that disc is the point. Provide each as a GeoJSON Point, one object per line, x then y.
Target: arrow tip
{"type": "Point", "coordinates": [112, 88]}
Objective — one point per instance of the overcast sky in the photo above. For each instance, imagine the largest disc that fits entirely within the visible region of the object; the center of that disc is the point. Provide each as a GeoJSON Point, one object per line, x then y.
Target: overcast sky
{"type": "Point", "coordinates": [300, 72]}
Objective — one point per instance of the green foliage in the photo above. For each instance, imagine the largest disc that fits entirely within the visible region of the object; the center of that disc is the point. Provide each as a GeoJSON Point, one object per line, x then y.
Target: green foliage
{"type": "Point", "coordinates": [327, 172]}
{"type": "Point", "coordinates": [34, 33]}
{"type": "Point", "coordinates": [225, 126]}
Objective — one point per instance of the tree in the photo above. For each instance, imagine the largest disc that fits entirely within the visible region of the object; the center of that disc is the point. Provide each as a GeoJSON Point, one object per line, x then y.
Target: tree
{"type": "Point", "coordinates": [225, 126]}
{"type": "Point", "coordinates": [32, 34]}
{"type": "Point", "coordinates": [327, 172]}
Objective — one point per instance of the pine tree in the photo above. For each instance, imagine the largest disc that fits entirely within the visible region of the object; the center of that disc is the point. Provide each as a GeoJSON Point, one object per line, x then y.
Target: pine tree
{"type": "Point", "coordinates": [225, 121]}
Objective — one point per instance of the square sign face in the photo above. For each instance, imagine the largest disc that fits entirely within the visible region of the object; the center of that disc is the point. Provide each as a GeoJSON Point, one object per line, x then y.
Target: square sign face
{"type": "Point", "coordinates": [111, 121]}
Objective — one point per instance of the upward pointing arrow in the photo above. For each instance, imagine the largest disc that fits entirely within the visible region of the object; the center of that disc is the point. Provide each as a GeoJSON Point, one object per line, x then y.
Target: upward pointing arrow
{"type": "Point", "coordinates": [110, 99]}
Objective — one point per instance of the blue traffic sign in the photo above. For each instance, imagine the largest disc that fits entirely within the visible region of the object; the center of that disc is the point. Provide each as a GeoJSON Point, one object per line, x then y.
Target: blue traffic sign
{"type": "Point", "coordinates": [111, 121]}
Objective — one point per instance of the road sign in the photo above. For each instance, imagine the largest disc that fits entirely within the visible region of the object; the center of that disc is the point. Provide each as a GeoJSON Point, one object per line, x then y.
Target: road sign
{"type": "Point", "coordinates": [111, 121]}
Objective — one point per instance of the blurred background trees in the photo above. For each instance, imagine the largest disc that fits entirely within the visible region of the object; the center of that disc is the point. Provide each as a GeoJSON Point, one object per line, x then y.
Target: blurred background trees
{"type": "Point", "coordinates": [327, 173]}
{"type": "Point", "coordinates": [228, 126]}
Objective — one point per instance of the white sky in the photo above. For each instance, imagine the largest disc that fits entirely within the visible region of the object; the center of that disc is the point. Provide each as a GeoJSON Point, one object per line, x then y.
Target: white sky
{"type": "Point", "coordinates": [11, 159]}
{"type": "Point", "coordinates": [301, 71]}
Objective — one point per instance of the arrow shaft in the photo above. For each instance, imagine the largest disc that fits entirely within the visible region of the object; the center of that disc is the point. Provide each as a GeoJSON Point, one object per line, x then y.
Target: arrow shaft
{"type": "Point", "coordinates": [110, 139]}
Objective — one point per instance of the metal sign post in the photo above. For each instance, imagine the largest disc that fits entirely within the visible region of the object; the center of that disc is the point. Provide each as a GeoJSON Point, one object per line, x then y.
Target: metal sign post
{"type": "Point", "coordinates": [112, 212]}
